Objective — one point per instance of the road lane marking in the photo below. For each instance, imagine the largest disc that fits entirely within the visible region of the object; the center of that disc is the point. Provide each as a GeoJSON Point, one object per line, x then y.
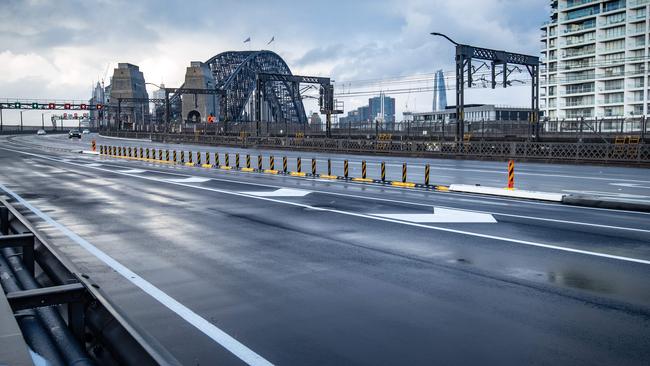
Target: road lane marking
{"type": "Point", "coordinates": [132, 171]}
{"type": "Point", "coordinates": [630, 185]}
{"type": "Point", "coordinates": [238, 349]}
{"type": "Point", "coordinates": [636, 197]}
{"type": "Point", "coordinates": [361, 215]}
{"type": "Point", "coordinates": [92, 165]}
{"type": "Point", "coordinates": [282, 192]}
{"type": "Point", "coordinates": [443, 216]}
{"type": "Point", "coordinates": [188, 180]}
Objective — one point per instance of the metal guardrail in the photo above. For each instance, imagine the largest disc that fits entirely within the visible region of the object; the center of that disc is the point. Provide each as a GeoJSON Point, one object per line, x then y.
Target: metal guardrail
{"type": "Point", "coordinates": [566, 130]}
{"type": "Point", "coordinates": [40, 284]}
{"type": "Point", "coordinates": [628, 153]}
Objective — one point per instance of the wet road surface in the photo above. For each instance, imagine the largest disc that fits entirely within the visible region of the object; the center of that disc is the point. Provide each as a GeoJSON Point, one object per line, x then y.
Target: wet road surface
{"type": "Point", "coordinates": [304, 271]}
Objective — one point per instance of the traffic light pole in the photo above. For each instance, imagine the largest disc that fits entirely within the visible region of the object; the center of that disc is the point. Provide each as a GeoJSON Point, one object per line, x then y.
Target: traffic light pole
{"type": "Point", "coordinates": [0, 119]}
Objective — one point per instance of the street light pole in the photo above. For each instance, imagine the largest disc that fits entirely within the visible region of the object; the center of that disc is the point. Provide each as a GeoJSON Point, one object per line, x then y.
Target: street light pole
{"type": "Point", "coordinates": [21, 121]}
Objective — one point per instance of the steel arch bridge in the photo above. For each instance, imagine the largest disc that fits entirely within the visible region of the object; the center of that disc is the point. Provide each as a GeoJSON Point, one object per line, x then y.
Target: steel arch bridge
{"type": "Point", "coordinates": [235, 73]}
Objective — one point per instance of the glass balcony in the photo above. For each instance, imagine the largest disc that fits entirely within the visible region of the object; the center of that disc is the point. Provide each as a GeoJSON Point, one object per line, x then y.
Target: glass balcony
{"type": "Point", "coordinates": [573, 3]}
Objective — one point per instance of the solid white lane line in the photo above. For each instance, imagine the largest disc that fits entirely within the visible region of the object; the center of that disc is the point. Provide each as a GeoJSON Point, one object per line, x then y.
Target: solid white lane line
{"type": "Point", "coordinates": [348, 213]}
{"type": "Point", "coordinates": [238, 349]}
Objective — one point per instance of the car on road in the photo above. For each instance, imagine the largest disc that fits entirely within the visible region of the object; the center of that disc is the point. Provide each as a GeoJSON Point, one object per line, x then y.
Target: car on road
{"type": "Point", "coordinates": [41, 132]}
{"type": "Point", "coordinates": [85, 131]}
{"type": "Point", "coordinates": [74, 133]}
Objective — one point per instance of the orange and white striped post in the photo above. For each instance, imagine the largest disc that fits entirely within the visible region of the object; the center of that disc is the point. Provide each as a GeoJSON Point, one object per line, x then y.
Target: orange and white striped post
{"type": "Point", "coordinates": [511, 174]}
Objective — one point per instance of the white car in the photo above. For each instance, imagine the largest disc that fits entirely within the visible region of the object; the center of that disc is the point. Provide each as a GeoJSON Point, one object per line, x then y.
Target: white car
{"type": "Point", "coordinates": [41, 132]}
{"type": "Point", "coordinates": [86, 131]}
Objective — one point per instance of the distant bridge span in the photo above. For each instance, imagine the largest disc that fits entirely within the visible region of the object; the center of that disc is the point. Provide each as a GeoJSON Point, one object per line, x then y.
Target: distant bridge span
{"type": "Point", "coordinates": [235, 74]}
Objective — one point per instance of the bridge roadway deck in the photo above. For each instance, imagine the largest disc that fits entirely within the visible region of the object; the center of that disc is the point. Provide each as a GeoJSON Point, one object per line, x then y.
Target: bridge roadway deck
{"type": "Point", "coordinates": [608, 181]}
{"type": "Point", "coordinates": [304, 271]}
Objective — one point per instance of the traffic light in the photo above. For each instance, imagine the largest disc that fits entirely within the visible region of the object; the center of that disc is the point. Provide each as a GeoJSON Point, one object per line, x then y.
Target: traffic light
{"type": "Point", "coordinates": [321, 94]}
{"type": "Point", "coordinates": [51, 106]}
{"type": "Point", "coordinates": [34, 105]}
{"type": "Point", "coordinates": [67, 106]}
{"type": "Point", "coordinates": [17, 105]}
{"type": "Point", "coordinates": [83, 106]}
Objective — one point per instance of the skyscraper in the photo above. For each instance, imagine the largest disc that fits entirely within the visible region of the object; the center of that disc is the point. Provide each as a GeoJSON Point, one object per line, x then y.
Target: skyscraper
{"type": "Point", "coordinates": [595, 54]}
{"type": "Point", "coordinates": [439, 92]}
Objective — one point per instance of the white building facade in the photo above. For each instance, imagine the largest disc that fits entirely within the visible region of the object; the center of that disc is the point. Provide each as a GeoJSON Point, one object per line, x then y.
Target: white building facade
{"type": "Point", "coordinates": [595, 57]}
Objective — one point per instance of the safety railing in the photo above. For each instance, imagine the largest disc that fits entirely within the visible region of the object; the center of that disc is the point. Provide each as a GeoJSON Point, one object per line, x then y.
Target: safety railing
{"type": "Point", "coordinates": [41, 287]}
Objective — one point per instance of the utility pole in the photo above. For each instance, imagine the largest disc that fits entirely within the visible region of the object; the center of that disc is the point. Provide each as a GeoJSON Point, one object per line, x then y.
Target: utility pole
{"type": "Point", "coordinates": [21, 121]}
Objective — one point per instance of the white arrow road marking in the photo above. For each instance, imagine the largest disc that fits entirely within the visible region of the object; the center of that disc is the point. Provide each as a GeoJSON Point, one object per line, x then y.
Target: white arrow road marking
{"type": "Point", "coordinates": [443, 215]}
{"type": "Point", "coordinates": [608, 194]}
{"type": "Point", "coordinates": [282, 192]}
{"type": "Point", "coordinates": [630, 185]}
{"type": "Point", "coordinates": [189, 180]}
{"type": "Point", "coordinates": [132, 171]}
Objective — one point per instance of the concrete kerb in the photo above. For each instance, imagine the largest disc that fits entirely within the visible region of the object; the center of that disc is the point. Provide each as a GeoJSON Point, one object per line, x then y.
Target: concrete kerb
{"type": "Point", "coordinates": [605, 202]}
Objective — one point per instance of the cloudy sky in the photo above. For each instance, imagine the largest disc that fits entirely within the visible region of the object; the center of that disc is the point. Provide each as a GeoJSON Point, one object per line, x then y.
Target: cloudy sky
{"type": "Point", "coordinates": [59, 49]}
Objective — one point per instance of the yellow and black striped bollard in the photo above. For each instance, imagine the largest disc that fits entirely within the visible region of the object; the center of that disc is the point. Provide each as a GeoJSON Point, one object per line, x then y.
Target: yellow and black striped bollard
{"type": "Point", "coordinates": [182, 156]}
{"type": "Point", "coordinates": [130, 152]}
{"type": "Point", "coordinates": [313, 167]}
{"type": "Point", "coordinates": [259, 162]}
{"type": "Point", "coordinates": [511, 174]}
{"type": "Point", "coordinates": [404, 173]}
{"type": "Point", "coordinates": [189, 157]}
{"type": "Point", "coordinates": [271, 162]}
{"type": "Point", "coordinates": [329, 167]}
{"type": "Point", "coordinates": [383, 171]}
{"type": "Point", "coordinates": [248, 161]}
{"type": "Point", "coordinates": [237, 161]}
{"type": "Point", "coordinates": [175, 156]}
{"type": "Point", "coordinates": [299, 165]}
{"type": "Point", "coordinates": [363, 169]}
{"type": "Point", "coordinates": [198, 158]}
{"type": "Point", "coordinates": [141, 153]}
{"type": "Point", "coordinates": [207, 158]}
{"type": "Point", "coordinates": [345, 169]}
{"type": "Point", "coordinates": [227, 160]}
{"type": "Point", "coordinates": [427, 170]}
{"type": "Point", "coordinates": [217, 160]}
{"type": "Point", "coordinates": [148, 155]}
{"type": "Point", "coordinates": [166, 155]}
{"type": "Point", "coordinates": [160, 154]}
{"type": "Point", "coordinates": [284, 164]}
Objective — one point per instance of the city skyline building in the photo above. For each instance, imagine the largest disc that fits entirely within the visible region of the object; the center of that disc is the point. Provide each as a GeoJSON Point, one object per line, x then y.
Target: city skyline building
{"type": "Point", "coordinates": [439, 92]}
{"type": "Point", "coordinates": [594, 56]}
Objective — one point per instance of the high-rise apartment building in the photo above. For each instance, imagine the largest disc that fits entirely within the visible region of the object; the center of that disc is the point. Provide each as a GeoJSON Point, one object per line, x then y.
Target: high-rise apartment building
{"type": "Point", "coordinates": [595, 55]}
